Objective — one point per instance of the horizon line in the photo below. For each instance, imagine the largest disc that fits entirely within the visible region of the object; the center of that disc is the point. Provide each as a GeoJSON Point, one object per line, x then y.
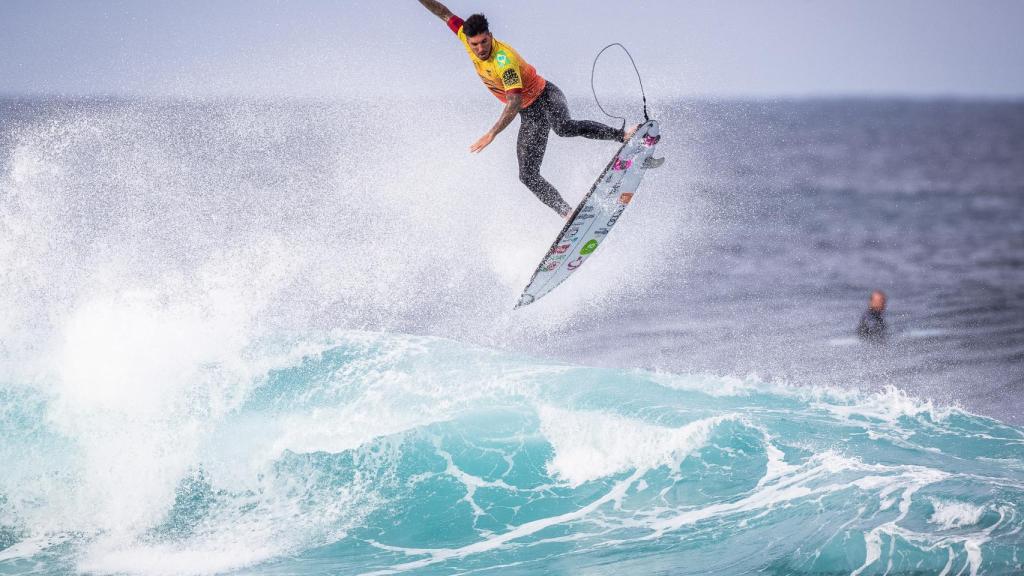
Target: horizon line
{"type": "Point", "coordinates": [701, 97]}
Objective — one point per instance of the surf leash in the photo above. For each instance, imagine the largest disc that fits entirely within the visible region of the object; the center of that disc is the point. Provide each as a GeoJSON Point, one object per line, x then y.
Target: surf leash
{"type": "Point", "coordinates": [594, 91]}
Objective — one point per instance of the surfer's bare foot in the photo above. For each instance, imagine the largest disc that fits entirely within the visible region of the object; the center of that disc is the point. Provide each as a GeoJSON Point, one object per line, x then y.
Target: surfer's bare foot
{"type": "Point", "coordinates": [628, 132]}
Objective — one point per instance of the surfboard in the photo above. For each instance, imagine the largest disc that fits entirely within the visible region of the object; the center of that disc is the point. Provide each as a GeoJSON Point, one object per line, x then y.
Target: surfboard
{"type": "Point", "coordinates": [596, 214]}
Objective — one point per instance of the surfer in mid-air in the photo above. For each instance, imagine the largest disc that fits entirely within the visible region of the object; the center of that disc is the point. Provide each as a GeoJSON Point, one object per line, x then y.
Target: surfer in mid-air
{"type": "Point", "coordinates": [540, 105]}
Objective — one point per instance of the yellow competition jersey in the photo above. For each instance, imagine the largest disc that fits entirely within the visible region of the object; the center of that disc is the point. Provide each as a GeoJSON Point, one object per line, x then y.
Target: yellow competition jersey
{"type": "Point", "coordinates": [504, 72]}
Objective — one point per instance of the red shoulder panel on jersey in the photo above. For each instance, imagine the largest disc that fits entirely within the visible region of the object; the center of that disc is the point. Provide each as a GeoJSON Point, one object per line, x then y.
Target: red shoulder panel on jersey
{"type": "Point", "coordinates": [455, 23]}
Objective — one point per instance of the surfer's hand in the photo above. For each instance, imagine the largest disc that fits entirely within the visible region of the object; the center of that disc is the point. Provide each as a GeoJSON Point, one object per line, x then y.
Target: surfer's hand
{"type": "Point", "coordinates": [482, 142]}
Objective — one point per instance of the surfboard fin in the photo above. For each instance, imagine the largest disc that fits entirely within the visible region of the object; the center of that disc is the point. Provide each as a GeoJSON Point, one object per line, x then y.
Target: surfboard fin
{"type": "Point", "coordinates": [653, 162]}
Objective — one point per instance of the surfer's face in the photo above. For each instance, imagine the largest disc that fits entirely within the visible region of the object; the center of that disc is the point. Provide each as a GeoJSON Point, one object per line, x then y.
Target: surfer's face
{"type": "Point", "coordinates": [877, 301]}
{"type": "Point", "coordinates": [481, 45]}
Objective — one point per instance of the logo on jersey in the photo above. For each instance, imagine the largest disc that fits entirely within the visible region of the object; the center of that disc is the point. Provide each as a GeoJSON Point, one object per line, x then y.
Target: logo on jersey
{"type": "Point", "coordinates": [510, 77]}
{"type": "Point", "coordinates": [501, 58]}
{"type": "Point", "coordinates": [575, 264]}
{"type": "Point", "coordinates": [589, 247]}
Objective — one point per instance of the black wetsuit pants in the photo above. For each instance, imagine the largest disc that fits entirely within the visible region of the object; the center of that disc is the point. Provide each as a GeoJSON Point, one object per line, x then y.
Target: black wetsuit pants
{"type": "Point", "coordinates": [551, 112]}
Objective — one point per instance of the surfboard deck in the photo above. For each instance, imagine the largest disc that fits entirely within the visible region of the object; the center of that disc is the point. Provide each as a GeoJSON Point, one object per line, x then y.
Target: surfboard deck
{"type": "Point", "coordinates": [596, 214]}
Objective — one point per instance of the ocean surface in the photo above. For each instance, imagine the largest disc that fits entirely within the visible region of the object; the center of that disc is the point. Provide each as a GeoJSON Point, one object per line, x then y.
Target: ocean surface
{"type": "Point", "coordinates": [278, 337]}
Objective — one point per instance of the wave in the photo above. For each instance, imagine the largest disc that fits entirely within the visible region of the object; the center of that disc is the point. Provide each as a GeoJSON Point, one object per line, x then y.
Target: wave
{"type": "Point", "coordinates": [176, 396]}
{"type": "Point", "coordinates": [386, 453]}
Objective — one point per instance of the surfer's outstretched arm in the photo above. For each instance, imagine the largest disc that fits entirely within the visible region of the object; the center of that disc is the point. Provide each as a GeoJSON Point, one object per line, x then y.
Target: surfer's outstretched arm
{"type": "Point", "coordinates": [512, 107]}
{"type": "Point", "coordinates": [437, 9]}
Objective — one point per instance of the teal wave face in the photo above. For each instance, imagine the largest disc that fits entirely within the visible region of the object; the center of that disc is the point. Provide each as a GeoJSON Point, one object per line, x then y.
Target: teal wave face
{"type": "Point", "coordinates": [389, 454]}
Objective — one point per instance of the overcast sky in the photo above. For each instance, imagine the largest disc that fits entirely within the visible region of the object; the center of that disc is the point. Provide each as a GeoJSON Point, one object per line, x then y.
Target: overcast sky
{"type": "Point", "coordinates": [345, 48]}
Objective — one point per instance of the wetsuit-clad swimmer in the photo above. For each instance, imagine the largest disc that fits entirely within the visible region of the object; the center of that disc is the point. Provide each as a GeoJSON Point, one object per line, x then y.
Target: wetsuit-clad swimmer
{"type": "Point", "coordinates": [540, 105]}
{"type": "Point", "coordinates": [872, 325]}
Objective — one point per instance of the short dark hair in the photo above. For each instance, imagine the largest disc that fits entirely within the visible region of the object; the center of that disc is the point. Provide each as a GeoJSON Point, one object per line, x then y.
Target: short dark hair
{"type": "Point", "coordinates": [475, 24]}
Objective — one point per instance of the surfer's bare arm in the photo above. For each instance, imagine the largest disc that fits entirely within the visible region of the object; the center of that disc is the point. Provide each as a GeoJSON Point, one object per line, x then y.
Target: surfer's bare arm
{"type": "Point", "coordinates": [437, 9]}
{"type": "Point", "coordinates": [512, 107]}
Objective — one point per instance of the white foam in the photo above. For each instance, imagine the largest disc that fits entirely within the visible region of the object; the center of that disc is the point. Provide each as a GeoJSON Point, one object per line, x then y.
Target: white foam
{"type": "Point", "coordinates": [29, 547]}
{"type": "Point", "coordinates": [810, 479]}
{"type": "Point", "coordinates": [167, 560]}
{"type": "Point", "coordinates": [593, 445]}
{"type": "Point", "coordinates": [284, 511]}
{"type": "Point", "coordinates": [776, 466]}
{"type": "Point", "coordinates": [889, 405]}
{"type": "Point", "coordinates": [137, 379]}
{"type": "Point", "coordinates": [949, 514]}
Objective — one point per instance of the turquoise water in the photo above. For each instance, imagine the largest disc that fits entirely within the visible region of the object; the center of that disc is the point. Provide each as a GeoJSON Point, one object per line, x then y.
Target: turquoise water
{"type": "Point", "coordinates": [381, 453]}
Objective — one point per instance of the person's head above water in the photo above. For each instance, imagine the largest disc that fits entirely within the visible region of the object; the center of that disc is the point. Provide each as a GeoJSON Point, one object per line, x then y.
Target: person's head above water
{"type": "Point", "coordinates": [478, 34]}
{"type": "Point", "coordinates": [877, 302]}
